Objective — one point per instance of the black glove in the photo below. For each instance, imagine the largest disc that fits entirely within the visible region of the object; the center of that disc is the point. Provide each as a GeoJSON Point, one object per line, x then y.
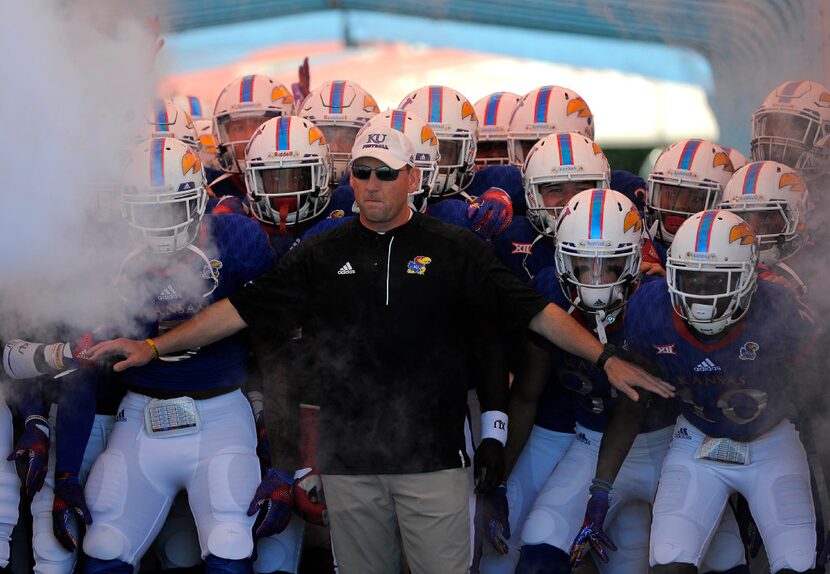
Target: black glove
{"type": "Point", "coordinates": [489, 465]}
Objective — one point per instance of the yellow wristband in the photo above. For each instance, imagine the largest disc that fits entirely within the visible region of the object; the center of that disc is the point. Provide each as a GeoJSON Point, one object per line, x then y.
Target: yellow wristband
{"type": "Point", "coordinates": [153, 345]}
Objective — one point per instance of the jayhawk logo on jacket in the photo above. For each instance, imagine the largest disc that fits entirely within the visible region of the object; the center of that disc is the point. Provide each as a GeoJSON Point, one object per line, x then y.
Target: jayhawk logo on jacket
{"type": "Point", "coordinates": [418, 265]}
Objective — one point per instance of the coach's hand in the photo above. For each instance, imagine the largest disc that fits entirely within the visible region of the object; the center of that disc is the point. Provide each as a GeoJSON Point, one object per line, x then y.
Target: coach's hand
{"type": "Point", "coordinates": [624, 376]}
{"type": "Point", "coordinates": [137, 353]}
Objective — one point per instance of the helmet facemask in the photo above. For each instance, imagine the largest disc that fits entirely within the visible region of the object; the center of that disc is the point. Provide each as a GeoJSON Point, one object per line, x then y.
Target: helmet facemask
{"type": "Point", "coordinates": [286, 195]}
{"type": "Point", "coordinates": [233, 133]}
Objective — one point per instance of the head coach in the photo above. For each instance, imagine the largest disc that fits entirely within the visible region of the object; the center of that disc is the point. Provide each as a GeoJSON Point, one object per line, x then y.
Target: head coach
{"type": "Point", "coordinates": [387, 303]}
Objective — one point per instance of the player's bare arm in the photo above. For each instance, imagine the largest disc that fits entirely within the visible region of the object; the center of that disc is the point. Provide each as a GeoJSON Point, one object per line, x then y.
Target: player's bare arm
{"type": "Point", "coordinates": [216, 322]}
{"type": "Point", "coordinates": [566, 333]}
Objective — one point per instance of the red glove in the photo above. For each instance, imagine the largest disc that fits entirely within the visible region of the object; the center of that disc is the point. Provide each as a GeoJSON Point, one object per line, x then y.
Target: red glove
{"type": "Point", "coordinates": [490, 213]}
{"type": "Point", "coordinates": [309, 499]}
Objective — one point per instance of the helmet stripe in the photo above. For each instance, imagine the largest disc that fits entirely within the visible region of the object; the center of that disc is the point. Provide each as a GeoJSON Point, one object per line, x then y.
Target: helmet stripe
{"type": "Point", "coordinates": [542, 99]}
{"type": "Point", "coordinates": [283, 133]}
{"type": "Point", "coordinates": [704, 231]}
{"type": "Point", "coordinates": [195, 106]}
{"type": "Point", "coordinates": [688, 155]}
{"type": "Point", "coordinates": [162, 121]}
{"type": "Point", "coordinates": [788, 93]}
{"type": "Point", "coordinates": [246, 89]}
{"type": "Point", "coordinates": [336, 96]}
{"type": "Point", "coordinates": [436, 95]}
{"type": "Point", "coordinates": [595, 214]}
{"type": "Point", "coordinates": [491, 112]}
{"type": "Point", "coordinates": [398, 120]}
{"type": "Point", "coordinates": [751, 179]}
{"type": "Point", "coordinates": [566, 153]}
{"type": "Point", "coordinates": [157, 162]}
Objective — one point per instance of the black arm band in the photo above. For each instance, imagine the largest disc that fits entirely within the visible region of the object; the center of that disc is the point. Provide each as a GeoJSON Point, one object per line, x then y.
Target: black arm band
{"type": "Point", "coordinates": [607, 352]}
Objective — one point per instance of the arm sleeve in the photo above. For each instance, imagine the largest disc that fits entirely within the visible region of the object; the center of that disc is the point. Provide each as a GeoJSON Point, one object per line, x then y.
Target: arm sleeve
{"type": "Point", "coordinates": [275, 302]}
{"type": "Point", "coordinates": [494, 291]}
{"type": "Point", "coordinates": [76, 413]}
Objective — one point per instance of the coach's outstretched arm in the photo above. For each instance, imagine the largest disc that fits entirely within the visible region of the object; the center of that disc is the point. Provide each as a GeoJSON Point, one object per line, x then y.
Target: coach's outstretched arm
{"type": "Point", "coordinates": [565, 332]}
{"type": "Point", "coordinates": [215, 322]}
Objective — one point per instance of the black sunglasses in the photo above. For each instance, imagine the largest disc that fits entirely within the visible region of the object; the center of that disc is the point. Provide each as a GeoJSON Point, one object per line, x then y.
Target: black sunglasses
{"type": "Point", "coordinates": [384, 172]}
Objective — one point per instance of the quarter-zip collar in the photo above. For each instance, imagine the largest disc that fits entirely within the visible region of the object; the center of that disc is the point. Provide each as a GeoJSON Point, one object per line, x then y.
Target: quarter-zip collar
{"type": "Point", "coordinates": [411, 224]}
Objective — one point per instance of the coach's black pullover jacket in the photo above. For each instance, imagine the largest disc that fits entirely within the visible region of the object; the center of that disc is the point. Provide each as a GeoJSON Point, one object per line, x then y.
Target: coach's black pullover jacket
{"type": "Point", "coordinates": [387, 322]}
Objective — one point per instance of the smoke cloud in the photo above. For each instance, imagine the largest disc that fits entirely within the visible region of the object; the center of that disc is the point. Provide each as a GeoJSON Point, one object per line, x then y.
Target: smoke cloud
{"type": "Point", "coordinates": [77, 77]}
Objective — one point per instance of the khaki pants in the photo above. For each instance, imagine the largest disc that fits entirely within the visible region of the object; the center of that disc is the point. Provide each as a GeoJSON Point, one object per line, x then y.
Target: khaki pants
{"type": "Point", "coordinates": [429, 509]}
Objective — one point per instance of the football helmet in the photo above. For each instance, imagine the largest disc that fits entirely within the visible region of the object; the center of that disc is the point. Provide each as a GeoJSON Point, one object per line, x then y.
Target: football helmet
{"type": "Point", "coordinates": [710, 270]}
{"type": "Point", "coordinates": [687, 177]}
{"type": "Point", "coordinates": [287, 171]}
{"type": "Point", "coordinates": [453, 120]}
{"type": "Point", "coordinates": [242, 106]}
{"type": "Point", "coordinates": [425, 143]}
{"type": "Point", "coordinates": [599, 238]}
{"type": "Point", "coordinates": [163, 195]}
{"type": "Point", "coordinates": [792, 127]}
{"type": "Point", "coordinates": [737, 158]}
{"type": "Point", "coordinates": [202, 119]}
{"type": "Point", "coordinates": [558, 167]}
{"type": "Point", "coordinates": [773, 199]}
{"type": "Point", "coordinates": [167, 120]}
{"type": "Point", "coordinates": [543, 111]}
{"type": "Point", "coordinates": [339, 108]}
{"type": "Point", "coordinates": [494, 113]}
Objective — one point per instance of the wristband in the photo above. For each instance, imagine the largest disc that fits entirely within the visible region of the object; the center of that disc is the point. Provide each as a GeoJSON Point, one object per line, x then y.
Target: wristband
{"type": "Point", "coordinates": [607, 352]}
{"type": "Point", "coordinates": [494, 425]}
{"type": "Point", "coordinates": [153, 345]}
{"type": "Point", "coordinates": [598, 484]}
{"type": "Point", "coordinates": [40, 423]}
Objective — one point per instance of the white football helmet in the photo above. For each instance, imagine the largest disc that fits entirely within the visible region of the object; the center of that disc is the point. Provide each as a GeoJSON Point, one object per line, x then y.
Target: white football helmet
{"type": "Point", "coordinates": [599, 238]}
{"type": "Point", "coordinates": [287, 171]}
{"type": "Point", "coordinates": [167, 120]}
{"type": "Point", "coordinates": [339, 108]}
{"type": "Point", "coordinates": [737, 158]}
{"type": "Point", "coordinates": [494, 112]}
{"type": "Point", "coordinates": [558, 167]}
{"type": "Point", "coordinates": [710, 270]}
{"type": "Point", "coordinates": [202, 118]}
{"type": "Point", "coordinates": [242, 106]}
{"type": "Point", "coordinates": [425, 143]}
{"type": "Point", "coordinates": [544, 111]}
{"type": "Point", "coordinates": [688, 177]}
{"type": "Point", "coordinates": [792, 127]}
{"type": "Point", "coordinates": [773, 199]}
{"type": "Point", "coordinates": [453, 119]}
{"type": "Point", "coordinates": [163, 195]}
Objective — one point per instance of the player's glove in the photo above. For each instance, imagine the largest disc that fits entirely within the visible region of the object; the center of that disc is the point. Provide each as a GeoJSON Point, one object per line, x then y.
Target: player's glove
{"type": "Point", "coordinates": [491, 212]}
{"type": "Point", "coordinates": [496, 524]}
{"type": "Point", "coordinates": [309, 498]}
{"type": "Point", "coordinates": [33, 448]}
{"type": "Point", "coordinates": [263, 445]}
{"type": "Point", "coordinates": [592, 533]}
{"type": "Point", "coordinates": [488, 465]}
{"type": "Point", "coordinates": [69, 500]}
{"type": "Point", "coordinates": [302, 87]}
{"type": "Point", "coordinates": [274, 500]}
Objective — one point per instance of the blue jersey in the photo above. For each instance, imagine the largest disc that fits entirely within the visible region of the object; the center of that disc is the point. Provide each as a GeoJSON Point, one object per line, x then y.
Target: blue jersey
{"type": "Point", "coordinates": [732, 386]}
{"type": "Point", "coordinates": [324, 225]}
{"type": "Point", "coordinates": [507, 177]}
{"type": "Point", "coordinates": [523, 250]}
{"type": "Point", "coordinates": [237, 252]}
{"type": "Point", "coordinates": [341, 204]}
{"type": "Point", "coordinates": [630, 185]}
{"type": "Point", "coordinates": [452, 211]}
{"type": "Point", "coordinates": [556, 405]}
